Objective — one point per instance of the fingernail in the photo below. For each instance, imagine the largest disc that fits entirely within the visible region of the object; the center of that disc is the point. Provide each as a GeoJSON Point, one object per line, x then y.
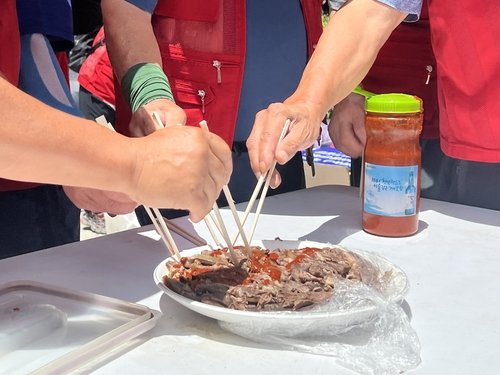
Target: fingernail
{"type": "Point", "coordinates": [262, 167]}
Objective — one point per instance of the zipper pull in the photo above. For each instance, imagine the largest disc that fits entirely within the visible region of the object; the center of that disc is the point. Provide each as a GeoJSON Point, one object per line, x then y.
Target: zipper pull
{"type": "Point", "coordinates": [429, 71]}
{"type": "Point", "coordinates": [217, 65]}
{"type": "Point", "coordinates": [201, 94]}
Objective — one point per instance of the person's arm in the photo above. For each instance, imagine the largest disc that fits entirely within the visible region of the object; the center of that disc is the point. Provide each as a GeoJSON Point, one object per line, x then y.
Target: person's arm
{"type": "Point", "coordinates": [130, 41]}
{"type": "Point", "coordinates": [345, 52]}
{"type": "Point", "coordinates": [178, 167]}
{"type": "Point", "coordinates": [129, 36]}
{"type": "Point", "coordinates": [44, 145]}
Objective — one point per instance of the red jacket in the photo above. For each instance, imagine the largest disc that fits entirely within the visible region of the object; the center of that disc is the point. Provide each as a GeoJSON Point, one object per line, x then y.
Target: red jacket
{"type": "Point", "coordinates": [407, 64]}
{"type": "Point", "coordinates": [466, 42]}
{"type": "Point", "coordinates": [206, 74]}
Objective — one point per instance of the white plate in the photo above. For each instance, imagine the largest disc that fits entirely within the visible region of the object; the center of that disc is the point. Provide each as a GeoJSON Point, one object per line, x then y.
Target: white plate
{"type": "Point", "coordinates": [396, 288]}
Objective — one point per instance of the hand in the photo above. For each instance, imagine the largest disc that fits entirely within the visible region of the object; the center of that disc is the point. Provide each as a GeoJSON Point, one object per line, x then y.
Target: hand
{"type": "Point", "coordinates": [100, 201]}
{"type": "Point", "coordinates": [180, 167]}
{"type": "Point", "coordinates": [347, 126]}
{"type": "Point", "coordinates": [143, 123]}
{"type": "Point", "coordinates": [263, 147]}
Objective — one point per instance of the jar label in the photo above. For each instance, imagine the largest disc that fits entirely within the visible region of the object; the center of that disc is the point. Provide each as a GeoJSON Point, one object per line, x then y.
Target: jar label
{"type": "Point", "coordinates": [390, 190]}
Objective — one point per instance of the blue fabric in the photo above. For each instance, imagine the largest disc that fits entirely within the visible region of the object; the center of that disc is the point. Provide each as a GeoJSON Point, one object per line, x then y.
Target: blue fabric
{"type": "Point", "coordinates": [275, 59]}
{"type": "Point", "coordinates": [412, 7]}
{"type": "Point", "coordinates": [32, 83]}
{"type": "Point", "coordinates": [52, 18]}
{"type": "Point", "coordinates": [147, 5]}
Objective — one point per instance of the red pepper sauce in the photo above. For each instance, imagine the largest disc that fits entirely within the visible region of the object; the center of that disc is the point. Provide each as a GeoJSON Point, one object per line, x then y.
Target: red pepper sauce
{"type": "Point", "coordinates": [392, 140]}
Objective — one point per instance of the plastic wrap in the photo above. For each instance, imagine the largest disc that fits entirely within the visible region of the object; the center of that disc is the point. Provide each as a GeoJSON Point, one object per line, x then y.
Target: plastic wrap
{"type": "Point", "coordinates": [376, 338]}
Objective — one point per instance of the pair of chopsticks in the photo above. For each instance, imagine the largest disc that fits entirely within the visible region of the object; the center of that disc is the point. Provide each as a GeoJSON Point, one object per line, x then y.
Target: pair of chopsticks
{"type": "Point", "coordinates": [161, 224]}
{"type": "Point", "coordinates": [263, 179]}
{"type": "Point", "coordinates": [216, 217]}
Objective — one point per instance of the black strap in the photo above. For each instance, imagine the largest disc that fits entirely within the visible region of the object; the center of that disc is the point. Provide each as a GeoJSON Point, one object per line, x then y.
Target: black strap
{"type": "Point", "coordinates": [239, 147]}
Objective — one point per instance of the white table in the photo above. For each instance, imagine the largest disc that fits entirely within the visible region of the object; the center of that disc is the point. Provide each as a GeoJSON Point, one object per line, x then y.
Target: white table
{"type": "Point", "coordinates": [453, 265]}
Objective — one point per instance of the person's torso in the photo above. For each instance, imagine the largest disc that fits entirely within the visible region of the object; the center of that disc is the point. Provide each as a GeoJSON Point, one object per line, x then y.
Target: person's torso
{"type": "Point", "coordinates": [406, 64]}
{"type": "Point", "coordinates": [218, 52]}
{"type": "Point", "coordinates": [466, 42]}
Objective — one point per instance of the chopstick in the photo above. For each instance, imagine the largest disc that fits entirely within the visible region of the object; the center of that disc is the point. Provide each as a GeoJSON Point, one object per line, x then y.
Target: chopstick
{"type": "Point", "coordinates": [198, 241]}
{"type": "Point", "coordinates": [158, 220]}
{"type": "Point", "coordinates": [212, 232]}
{"type": "Point", "coordinates": [224, 233]}
{"type": "Point", "coordinates": [266, 185]}
{"type": "Point", "coordinates": [163, 231]}
{"type": "Point", "coordinates": [230, 201]}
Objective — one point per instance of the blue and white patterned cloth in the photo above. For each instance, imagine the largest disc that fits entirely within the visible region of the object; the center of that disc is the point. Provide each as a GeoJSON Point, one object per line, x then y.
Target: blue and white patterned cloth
{"type": "Point", "coordinates": [412, 7]}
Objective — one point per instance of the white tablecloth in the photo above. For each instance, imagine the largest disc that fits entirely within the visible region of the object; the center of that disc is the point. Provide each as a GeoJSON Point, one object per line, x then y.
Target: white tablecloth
{"type": "Point", "coordinates": [453, 264]}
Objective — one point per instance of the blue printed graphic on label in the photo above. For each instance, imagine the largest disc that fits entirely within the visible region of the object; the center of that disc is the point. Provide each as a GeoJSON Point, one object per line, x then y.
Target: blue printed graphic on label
{"type": "Point", "coordinates": [390, 191]}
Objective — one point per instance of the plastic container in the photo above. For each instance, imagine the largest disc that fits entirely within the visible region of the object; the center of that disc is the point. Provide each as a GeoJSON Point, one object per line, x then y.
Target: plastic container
{"type": "Point", "coordinates": [392, 163]}
{"type": "Point", "coordinates": [46, 329]}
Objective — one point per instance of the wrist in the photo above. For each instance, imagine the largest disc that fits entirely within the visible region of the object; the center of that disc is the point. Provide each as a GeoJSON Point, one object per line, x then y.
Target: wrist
{"type": "Point", "coordinates": [144, 83]}
{"type": "Point", "coordinates": [316, 110]}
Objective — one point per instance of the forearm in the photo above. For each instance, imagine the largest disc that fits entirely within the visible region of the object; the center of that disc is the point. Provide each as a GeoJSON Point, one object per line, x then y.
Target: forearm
{"type": "Point", "coordinates": [342, 59]}
{"type": "Point", "coordinates": [129, 35]}
{"type": "Point", "coordinates": [44, 145]}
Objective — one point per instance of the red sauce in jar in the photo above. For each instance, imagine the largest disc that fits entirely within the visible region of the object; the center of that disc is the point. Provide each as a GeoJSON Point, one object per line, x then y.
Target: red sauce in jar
{"type": "Point", "coordinates": [391, 183]}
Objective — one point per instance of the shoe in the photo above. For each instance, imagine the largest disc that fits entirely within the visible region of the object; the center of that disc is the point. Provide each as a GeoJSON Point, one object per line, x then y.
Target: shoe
{"type": "Point", "coordinates": [95, 222]}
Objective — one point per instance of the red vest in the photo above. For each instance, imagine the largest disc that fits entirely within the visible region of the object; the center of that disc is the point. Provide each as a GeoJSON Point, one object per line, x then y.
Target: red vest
{"type": "Point", "coordinates": [10, 55]}
{"type": "Point", "coordinates": [406, 64]}
{"type": "Point", "coordinates": [202, 43]}
{"type": "Point", "coordinates": [466, 42]}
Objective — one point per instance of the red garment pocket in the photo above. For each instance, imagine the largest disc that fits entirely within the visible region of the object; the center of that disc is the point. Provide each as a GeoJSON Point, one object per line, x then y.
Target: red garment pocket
{"type": "Point", "coordinates": [189, 10]}
{"type": "Point", "coordinates": [193, 97]}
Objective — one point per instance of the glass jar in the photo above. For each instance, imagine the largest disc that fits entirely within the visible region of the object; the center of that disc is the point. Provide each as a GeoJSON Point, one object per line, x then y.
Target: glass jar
{"type": "Point", "coordinates": [391, 175]}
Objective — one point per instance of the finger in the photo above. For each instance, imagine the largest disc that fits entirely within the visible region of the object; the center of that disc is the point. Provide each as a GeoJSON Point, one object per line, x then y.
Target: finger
{"type": "Point", "coordinates": [222, 153]}
{"type": "Point", "coordinates": [350, 144]}
{"type": "Point", "coordinates": [359, 127]}
{"type": "Point", "coordinates": [253, 143]}
{"type": "Point", "coordinates": [275, 180]}
{"type": "Point", "coordinates": [299, 138]}
{"type": "Point", "coordinates": [201, 210]}
{"type": "Point", "coordinates": [269, 138]}
{"type": "Point", "coordinates": [120, 208]}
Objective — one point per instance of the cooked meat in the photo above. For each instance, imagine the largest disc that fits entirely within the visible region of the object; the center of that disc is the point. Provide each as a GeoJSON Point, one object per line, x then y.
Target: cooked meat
{"type": "Point", "coordinates": [268, 280]}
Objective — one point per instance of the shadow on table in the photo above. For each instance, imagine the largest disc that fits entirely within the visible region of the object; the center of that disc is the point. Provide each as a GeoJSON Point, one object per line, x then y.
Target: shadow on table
{"type": "Point", "coordinates": [462, 212]}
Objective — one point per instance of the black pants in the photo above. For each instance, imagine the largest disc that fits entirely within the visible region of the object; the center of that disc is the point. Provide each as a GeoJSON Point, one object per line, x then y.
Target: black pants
{"type": "Point", "coordinates": [35, 219]}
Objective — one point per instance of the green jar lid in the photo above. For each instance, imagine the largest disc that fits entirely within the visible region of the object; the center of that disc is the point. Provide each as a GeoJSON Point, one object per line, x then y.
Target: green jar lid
{"type": "Point", "coordinates": [394, 103]}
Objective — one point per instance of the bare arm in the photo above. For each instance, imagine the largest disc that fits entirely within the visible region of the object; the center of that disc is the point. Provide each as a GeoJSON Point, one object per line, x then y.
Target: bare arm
{"type": "Point", "coordinates": [129, 35]}
{"type": "Point", "coordinates": [178, 167]}
{"type": "Point", "coordinates": [41, 144]}
{"type": "Point", "coordinates": [130, 41]}
{"type": "Point", "coordinates": [345, 53]}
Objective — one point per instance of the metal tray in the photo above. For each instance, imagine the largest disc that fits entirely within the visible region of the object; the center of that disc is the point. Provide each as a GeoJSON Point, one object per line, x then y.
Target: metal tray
{"type": "Point", "coordinates": [46, 329]}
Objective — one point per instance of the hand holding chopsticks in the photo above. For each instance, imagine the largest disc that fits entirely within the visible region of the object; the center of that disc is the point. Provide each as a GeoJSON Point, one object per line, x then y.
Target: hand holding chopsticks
{"type": "Point", "coordinates": [267, 178]}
